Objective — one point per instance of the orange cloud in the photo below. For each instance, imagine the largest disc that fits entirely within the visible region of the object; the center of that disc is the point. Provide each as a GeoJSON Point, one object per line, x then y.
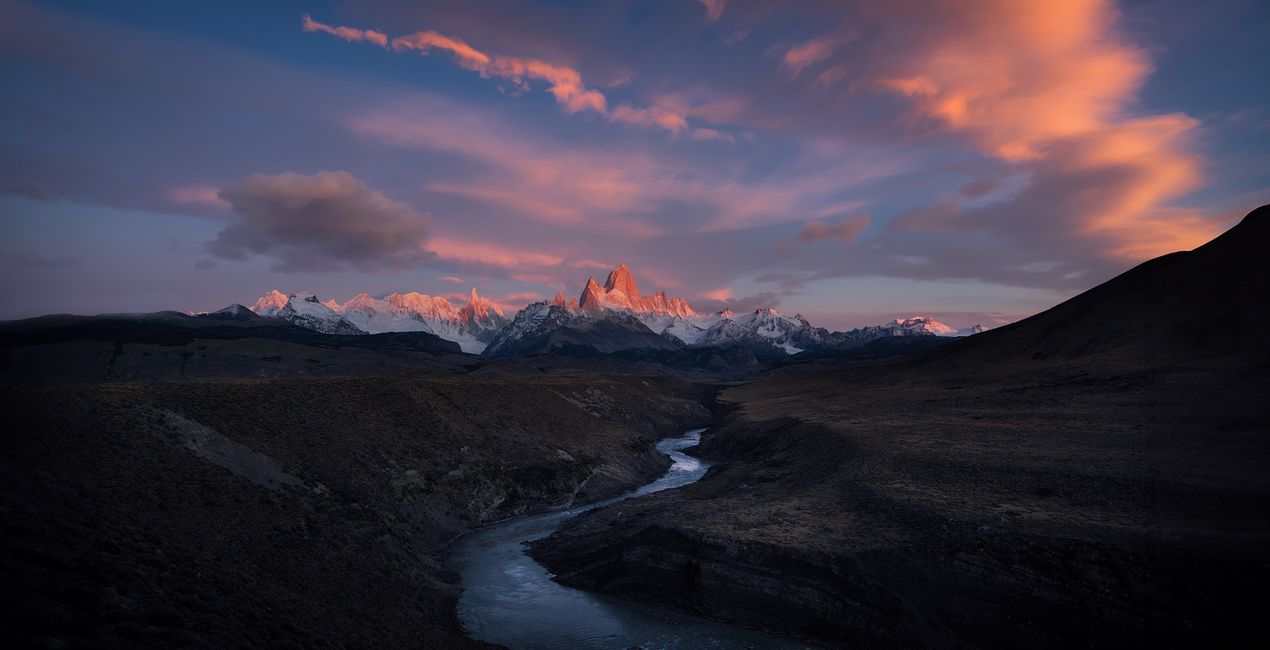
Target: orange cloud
{"type": "Point", "coordinates": [564, 83]}
{"type": "Point", "coordinates": [1052, 84]}
{"type": "Point", "coordinates": [346, 33]}
{"type": "Point", "coordinates": [464, 54]}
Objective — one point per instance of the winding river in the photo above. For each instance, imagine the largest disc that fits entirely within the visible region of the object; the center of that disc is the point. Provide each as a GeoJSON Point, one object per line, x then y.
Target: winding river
{"type": "Point", "coordinates": [510, 599]}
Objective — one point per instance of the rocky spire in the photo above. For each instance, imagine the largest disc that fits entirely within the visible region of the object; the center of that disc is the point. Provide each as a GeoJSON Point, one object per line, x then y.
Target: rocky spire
{"type": "Point", "coordinates": [479, 309]}
{"type": "Point", "coordinates": [622, 280]}
{"type": "Point", "coordinates": [592, 298]}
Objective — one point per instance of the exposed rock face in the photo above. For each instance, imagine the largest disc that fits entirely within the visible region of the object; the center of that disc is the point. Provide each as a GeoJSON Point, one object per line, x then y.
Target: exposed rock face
{"type": "Point", "coordinates": [620, 292]}
{"type": "Point", "coordinates": [568, 304]}
{"type": "Point", "coordinates": [620, 279]}
{"type": "Point", "coordinates": [592, 298]}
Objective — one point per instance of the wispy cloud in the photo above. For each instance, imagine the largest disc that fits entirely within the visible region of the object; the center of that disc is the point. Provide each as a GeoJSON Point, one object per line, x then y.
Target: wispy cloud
{"type": "Point", "coordinates": [346, 33]}
{"type": "Point", "coordinates": [564, 83]}
{"type": "Point", "coordinates": [804, 55]}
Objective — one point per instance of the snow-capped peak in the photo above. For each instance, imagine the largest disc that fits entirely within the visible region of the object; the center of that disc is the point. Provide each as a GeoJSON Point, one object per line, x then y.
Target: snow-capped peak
{"type": "Point", "coordinates": [270, 303]}
{"type": "Point", "coordinates": [912, 326]}
{"type": "Point", "coordinates": [471, 326]}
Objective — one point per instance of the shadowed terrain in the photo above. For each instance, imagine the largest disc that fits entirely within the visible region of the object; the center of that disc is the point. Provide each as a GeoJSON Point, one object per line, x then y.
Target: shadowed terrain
{"type": "Point", "coordinates": [293, 512]}
{"type": "Point", "coordinates": [1092, 475]}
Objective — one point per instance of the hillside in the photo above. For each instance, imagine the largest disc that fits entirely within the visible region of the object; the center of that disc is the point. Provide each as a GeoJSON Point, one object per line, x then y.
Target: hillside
{"type": "Point", "coordinates": [237, 513]}
{"type": "Point", "coordinates": [1094, 475]}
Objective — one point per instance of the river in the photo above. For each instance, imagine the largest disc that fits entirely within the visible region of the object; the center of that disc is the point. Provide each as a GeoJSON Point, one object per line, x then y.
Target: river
{"type": "Point", "coordinates": [510, 599]}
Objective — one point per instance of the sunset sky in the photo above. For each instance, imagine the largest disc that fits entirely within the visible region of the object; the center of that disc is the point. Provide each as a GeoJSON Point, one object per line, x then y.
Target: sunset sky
{"type": "Point", "coordinates": [853, 161]}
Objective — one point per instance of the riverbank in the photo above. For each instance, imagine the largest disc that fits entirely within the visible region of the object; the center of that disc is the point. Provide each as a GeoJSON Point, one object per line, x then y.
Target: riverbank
{"type": "Point", "coordinates": [318, 510]}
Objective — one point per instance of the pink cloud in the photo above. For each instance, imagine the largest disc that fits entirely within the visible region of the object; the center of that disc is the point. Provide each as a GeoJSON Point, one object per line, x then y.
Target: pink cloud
{"type": "Point", "coordinates": [651, 116]}
{"type": "Point", "coordinates": [197, 195]}
{"type": "Point", "coordinates": [509, 303]}
{"type": "Point", "coordinates": [804, 55]}
{"type": "Point", "coordinates": [452, 279]}
{"type": "Point", "coordinates": [346, 33]}
{"type": "Point", "coordinates": [618, 193]}
{"type": "Point", "coordinates": [711, 134]}
{"type": "Point", "coordinates": [846, 230]}
{"type": "Point", "coordinates": [590, 264]}
{"type": "Point", "coordinates": [714, 9]}
{"type": "Point", "coordinates": [481, 252]}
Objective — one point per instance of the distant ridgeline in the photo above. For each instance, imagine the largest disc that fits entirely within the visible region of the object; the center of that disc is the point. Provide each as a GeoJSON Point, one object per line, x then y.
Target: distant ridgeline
{"type": "Point", "coordinates": [608, 318]}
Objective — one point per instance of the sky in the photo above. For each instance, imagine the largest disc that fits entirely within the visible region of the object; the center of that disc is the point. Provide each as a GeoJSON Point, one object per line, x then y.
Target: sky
{"type": "Point", "coordinates": [853, 161]}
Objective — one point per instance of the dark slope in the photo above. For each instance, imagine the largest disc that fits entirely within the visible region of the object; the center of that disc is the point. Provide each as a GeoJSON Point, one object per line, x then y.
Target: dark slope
{"type": "Point", "coordinates": [559, 329]}
{"type": "Point", "coordinates": [1205, 304]}
{"type": "Point", "coordinates": [1093, 476]}
{"type": "Point", "coordinates": [173, 346]}
{"type": "Point", "coordinates": [291, 513]}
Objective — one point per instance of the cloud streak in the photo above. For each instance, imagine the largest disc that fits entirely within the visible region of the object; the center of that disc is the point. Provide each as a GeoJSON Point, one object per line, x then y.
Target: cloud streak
{"type": "Point", "coordinates": [564, 83]}
{"type": "Point", "coordinates": [347, 33]}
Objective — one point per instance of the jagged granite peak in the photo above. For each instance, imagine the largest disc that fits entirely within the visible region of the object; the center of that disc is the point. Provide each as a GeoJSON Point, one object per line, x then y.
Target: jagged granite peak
{"type": "Point", "coordinates": [765, 331]}
{"type": "Point", "coordinates": [480, 310]}
{"type": "Point", "coordinates": [570, 304]}
{"type": "Point", "coordinates": [592, 298]}
{"type": "Point", "coordinates": [620, 279]}
{"type": "Point", "coordinates": [621, 292]}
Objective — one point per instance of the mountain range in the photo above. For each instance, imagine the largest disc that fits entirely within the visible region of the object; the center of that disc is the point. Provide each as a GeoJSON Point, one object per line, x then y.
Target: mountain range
{"type": "Point", "coordinates": [472, 326]}
{"type": "Point", "coordinates": [607, 318]}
